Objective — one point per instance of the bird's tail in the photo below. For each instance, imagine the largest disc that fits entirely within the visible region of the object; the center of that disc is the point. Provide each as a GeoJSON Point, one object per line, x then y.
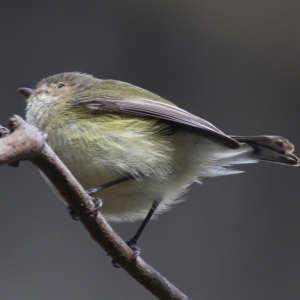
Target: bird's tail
{"type": "Point", "coordinates": [275, 149]}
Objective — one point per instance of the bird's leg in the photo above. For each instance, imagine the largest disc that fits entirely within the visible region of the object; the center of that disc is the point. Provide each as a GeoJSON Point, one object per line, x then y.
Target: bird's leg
{"type": "Point", "coordinates": [133, 241]}
{"type": "Point", "coordinates": [104, 186]}
{"type": "Point", "coordinates": [92, 191]}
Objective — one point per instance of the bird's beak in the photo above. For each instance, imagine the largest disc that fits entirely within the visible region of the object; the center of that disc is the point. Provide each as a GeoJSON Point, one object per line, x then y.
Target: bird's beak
{"type": "Point", "coordinates": [26, 92]}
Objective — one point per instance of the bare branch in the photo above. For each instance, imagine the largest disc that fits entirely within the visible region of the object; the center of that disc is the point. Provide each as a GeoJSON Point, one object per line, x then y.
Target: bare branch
{"type": "Point", "coordinates": [27, 142]}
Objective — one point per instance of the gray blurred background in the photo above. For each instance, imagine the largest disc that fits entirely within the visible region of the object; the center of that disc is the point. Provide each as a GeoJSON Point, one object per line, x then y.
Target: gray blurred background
{"type": "Point", "coordinates": [234, 63]}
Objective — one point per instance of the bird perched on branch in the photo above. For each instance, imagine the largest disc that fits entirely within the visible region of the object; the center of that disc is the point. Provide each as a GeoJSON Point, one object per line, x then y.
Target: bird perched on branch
{"type": "Point", "coordinates": [142, 150]}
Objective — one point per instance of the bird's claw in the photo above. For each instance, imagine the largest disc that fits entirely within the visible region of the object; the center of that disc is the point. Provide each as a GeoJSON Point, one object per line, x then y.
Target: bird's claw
{"type": "Point", "coordinates": [135, 249]}
{"type": "Point", "coordinates": [72, 213]}
{"type": "Point", "coordinates": [97, 202]}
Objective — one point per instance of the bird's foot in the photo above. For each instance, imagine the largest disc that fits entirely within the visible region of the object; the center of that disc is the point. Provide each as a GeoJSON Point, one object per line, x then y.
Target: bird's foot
{"type": "Point", "coordinates": [72, 213]}
{"type": "Point", "coordinates": [136, 252]}
{"type": "Point", "coordinates": [97, 202]}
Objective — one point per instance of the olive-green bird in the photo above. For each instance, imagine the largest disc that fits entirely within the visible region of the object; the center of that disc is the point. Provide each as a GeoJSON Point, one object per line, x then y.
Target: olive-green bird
{"type": "Point", "coordinates": [148, 150]}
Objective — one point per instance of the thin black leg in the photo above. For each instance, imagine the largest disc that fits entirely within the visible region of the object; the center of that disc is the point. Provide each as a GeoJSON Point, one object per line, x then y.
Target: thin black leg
{"type": "Point", "coordinates": [133, 241]}
{"type": "Point", "coordinates": [104, 186]}
{"type": "Point", "coordinates": [136, 237]}
{"type": "Point", "coordinates": [92, 191]}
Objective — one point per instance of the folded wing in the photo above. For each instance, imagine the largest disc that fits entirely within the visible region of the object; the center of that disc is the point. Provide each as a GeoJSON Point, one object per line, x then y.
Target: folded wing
{"type": "Point", "coordinates": [150, 108]}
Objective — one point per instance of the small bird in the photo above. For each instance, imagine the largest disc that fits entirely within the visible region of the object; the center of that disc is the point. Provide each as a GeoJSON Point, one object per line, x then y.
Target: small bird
{"type": "Point", "coordinates": [141, 149]}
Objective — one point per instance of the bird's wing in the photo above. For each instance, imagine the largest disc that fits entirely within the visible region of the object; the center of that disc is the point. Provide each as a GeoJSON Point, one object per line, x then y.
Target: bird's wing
{"type": "Point", "coordinates": [155, 109]}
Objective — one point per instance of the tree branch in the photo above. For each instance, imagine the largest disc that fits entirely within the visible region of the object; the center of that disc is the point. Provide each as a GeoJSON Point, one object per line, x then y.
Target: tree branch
{"type": "Point", "coordinates": [27, 142]}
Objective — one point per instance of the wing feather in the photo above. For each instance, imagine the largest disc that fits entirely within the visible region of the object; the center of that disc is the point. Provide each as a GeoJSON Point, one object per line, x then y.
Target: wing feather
{"type": "Point", "coordinates": [152, 108]}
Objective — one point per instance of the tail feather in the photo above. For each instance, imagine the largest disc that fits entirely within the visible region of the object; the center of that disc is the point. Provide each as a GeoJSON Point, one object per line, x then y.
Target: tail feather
{"type": "Point", "coordinates": [270, 148]}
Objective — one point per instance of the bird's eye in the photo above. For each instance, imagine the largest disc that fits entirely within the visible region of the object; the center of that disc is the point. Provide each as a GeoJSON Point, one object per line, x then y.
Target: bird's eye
{"type": "Point", "coordinates": [60, 85]}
